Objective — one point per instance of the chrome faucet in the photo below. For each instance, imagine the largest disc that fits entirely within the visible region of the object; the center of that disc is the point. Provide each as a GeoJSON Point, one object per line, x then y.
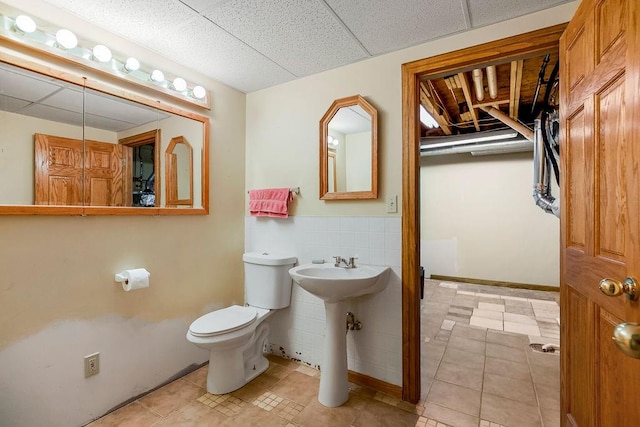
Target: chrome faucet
{"type": "Point", "coordinates": [347, 264]}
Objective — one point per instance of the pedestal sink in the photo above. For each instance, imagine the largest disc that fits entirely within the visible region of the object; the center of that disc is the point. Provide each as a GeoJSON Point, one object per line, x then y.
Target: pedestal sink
{"type": "Point", "coordinates": [335, 285]}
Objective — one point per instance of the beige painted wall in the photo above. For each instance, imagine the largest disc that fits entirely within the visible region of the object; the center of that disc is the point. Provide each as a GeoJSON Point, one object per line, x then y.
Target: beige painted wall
{"type": "Point", "coordinates": [479, 220]}
{"type": "Point", "coordinates": [57, 291]}
{"type": "Point", "coordinates": [282, 151]}
{"type": "Point", "coordinates": [282, 121]}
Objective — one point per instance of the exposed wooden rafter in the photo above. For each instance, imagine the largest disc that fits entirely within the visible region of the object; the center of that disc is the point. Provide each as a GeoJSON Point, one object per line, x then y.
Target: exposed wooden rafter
{"type": "Point", "coordinates": [464, 83]}
{"type": "Point", "coordinates": [453, 96]}
{"type": "Point", "coordinates": [515, 85]}
{"type": "Point", "coordinates": [428, 99]}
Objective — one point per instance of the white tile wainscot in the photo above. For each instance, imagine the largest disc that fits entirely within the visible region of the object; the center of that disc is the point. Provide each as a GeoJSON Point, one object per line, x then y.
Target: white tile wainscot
{"type": "Point", "coordinates": [298, 331]}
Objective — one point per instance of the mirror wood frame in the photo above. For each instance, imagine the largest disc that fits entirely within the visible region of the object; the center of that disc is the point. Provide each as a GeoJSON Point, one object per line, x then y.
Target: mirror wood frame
{"type": "Point", "coordinates": [525, 44]}
{"type": "Point", "coordinates": [171, 174]}
{"type": "Point", "coordinates": [41, 62]}
{"type": "Point", "coordinates": [325, 192]}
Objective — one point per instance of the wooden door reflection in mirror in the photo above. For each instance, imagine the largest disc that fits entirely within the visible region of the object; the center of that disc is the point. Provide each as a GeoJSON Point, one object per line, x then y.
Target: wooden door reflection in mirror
{"type": "Point", "coordinates": [179, 165]}
{"type": "Point", "coordinates": [349, 150]}
{"type": "Point", "coordinates": [115, 152]}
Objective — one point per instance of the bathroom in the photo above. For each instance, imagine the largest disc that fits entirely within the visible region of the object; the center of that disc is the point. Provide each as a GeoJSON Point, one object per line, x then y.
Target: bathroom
{"type": "Point", "coordinates": [60, 302]}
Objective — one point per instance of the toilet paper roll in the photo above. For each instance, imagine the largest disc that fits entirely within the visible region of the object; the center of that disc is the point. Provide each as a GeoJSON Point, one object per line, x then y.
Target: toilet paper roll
{"type": "Point", "coordinates": [136, 278]}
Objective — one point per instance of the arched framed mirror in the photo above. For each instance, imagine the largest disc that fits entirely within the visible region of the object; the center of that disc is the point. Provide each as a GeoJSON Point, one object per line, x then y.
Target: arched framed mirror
{"type": "Point", "coordinates": [178, 175]}
{"type": "Point", "coordinates": [349, 150]}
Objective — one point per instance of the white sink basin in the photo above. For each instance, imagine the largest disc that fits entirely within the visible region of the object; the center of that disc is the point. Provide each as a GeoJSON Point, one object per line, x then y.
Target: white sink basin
{"type": "Point", "coordinates": [333, 284]}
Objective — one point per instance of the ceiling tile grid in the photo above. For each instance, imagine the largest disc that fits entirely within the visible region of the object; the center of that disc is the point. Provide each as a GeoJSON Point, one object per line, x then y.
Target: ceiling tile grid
{"type": "Point", "coordinates": [10, 85]}
{"type": "Point", "coordinates": [255, 44]}
{"type": "Point", "coordinates": [10, 104]}
{"type": "Point", "coordinates": [486, 12]}
{"type": "Point", "coordinates": [213, 52]}
{"type": "Point", "coordinates": [388, 26]}
{"type": "Point", "coordinates": [302, 36]}
{"type": "Point", "coordinates": [201, 6]}
{"type": "Point", "coordinates": [68, 99]}
{"type": "Point", "coordinates": [141, 21]}
{"type": "Point", "coordinates": [54, 114]}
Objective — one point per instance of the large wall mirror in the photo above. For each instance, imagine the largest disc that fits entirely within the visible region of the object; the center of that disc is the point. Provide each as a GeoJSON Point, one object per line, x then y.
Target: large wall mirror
{"type": "Point", "coordinates": [349, 150]}
{"type": "Point", "coordinates": [66, 148]}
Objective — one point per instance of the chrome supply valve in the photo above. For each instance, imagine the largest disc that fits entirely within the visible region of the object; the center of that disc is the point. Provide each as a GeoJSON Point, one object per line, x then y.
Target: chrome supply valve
{"type": "Point", "coordinates": [352, 323]}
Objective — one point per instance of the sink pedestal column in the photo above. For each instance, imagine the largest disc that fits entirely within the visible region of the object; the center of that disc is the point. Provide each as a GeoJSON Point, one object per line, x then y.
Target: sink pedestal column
{"type": "Point", "coordinates": [334, 385]}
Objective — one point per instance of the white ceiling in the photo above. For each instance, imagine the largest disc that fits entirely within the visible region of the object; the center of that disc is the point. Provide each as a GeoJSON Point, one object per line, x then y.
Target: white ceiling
{"type": "Point", "coordinates": [255, 44]}
{"type": "Point", "coordinates": [27, 93]}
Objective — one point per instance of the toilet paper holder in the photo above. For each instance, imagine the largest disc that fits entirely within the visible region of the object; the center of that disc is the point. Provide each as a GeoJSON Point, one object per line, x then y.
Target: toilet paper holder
{"type": "Point", "coordinates": [121, 278]}
{"type": "Point", "coordinates": [137, 278]}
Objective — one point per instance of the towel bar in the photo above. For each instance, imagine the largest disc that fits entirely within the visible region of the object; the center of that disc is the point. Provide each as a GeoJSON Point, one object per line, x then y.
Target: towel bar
{"type": "Point", "coordinates": [295, 190]}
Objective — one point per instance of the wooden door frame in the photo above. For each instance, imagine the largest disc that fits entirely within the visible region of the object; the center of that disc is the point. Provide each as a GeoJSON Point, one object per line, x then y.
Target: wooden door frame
{"type": "Point", "coordinates": [145, 138]}
{"type": "Point", "coordinates": [496, 51]}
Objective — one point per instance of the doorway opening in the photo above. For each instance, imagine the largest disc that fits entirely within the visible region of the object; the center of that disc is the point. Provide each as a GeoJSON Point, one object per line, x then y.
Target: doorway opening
{"type": "Point", "coordinates": [140, 172]}
{"type": "Point", "coordinates": [513, 48]}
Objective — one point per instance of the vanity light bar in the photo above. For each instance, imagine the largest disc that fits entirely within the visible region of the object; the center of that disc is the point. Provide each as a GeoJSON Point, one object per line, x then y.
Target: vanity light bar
{"type": "Point", "coordinates": [64, 43]}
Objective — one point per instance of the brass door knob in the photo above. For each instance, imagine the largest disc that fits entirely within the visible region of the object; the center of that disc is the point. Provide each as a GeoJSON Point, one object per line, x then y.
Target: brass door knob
{"type": "Point", "coordinates": [627, 338]}
{"type": "Point", "coordinates": [613, 288]}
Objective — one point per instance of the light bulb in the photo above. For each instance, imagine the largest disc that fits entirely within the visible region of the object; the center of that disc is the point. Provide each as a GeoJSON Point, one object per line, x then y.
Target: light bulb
{"type": "Point", "coordinates": [66, 39]}
{"type": "Point", "coordinates": [157, 76]}
{"type": "Point", "coordinates": [132, 64]}
{"type": "Point", "coordinates": [102, 53]}
{"type": "Point", "coordinates": [25, 24]}
{"type": "Point", "coordinates": [179, 84]}
{"type": "Point", "coordinates": [199, 92]}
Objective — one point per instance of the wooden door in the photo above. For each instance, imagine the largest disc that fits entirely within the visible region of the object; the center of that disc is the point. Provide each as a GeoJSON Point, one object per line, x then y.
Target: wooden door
{"type": "Point", "coordinates": [62, 165]}
{"type": "Point", "coordinates": [600, 226]}
{"type": "Point", "coordinates": [103, 174]}
{"type": "Point", "coordinates": [58, 170]}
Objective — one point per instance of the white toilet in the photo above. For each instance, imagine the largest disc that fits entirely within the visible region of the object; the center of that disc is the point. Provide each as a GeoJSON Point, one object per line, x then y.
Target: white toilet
{"type": "Point", "coordinates": [235, 335]}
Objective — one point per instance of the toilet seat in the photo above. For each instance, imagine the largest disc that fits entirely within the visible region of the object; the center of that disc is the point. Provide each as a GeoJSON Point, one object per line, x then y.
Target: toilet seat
{"type": "Point", "coordinates": [222, 321]}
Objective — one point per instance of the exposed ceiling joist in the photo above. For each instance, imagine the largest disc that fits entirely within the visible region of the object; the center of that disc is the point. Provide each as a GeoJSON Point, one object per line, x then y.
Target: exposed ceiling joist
{"type": "Point", "coordinates": [427, 98]}
{"type": "Point", "coordinates": [464, 83]}
{"type": "Point", "coordinates": [515, 85]}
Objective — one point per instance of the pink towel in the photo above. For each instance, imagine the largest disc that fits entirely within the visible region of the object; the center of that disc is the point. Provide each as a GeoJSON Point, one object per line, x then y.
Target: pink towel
{"type": "Point", "coordinates": [270, 202]}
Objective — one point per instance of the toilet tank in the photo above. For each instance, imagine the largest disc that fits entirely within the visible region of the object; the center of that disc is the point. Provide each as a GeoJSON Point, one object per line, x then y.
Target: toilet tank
{"type": "Point", "coordinates": [267, 283]}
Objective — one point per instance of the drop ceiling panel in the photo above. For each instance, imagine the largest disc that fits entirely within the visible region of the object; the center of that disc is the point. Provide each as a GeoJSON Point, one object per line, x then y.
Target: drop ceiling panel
{"type": "Point", "coordinates": [351, 120]}
{"type": "Point", "coordinates": [485, 12]}
{"type": "Point", "coordinates": [254, 44]}
{"type": "Point", "coordinates": [141, 21]}
{"type": "Point", "coordinates": [203, 5]}
{"type": "Point", "coordinates": [66, 99]}
{"type": "Point", "coordinates": [388, 27]}
{"type": "Point", "coordinates": [46, 112]}
{"type": "Point", "coordinates": [25, 87]}
{"type": "Point", "coordinates": [107, 123]}
{"type": "Point", "coordinates": [302, 36]}
{"type": "Point", "coordinates": [119, 110]}
{"type": "Point", "coordinates": [219, 55]}
{"type": "Point", "coordinates": [12, 105]}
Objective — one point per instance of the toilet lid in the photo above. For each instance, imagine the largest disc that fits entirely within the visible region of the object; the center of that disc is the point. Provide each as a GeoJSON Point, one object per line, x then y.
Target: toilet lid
{"type": "Point", "coordinates": [220, 321]}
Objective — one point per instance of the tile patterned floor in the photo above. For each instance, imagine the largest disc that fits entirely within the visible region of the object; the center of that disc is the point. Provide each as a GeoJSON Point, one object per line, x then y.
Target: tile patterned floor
{"type": "Point", "coordinates": [474, 374]}
{"type": "Point", "coordinates": [477, 366]}
{"type": "Point", "coordinates": [285, 395]}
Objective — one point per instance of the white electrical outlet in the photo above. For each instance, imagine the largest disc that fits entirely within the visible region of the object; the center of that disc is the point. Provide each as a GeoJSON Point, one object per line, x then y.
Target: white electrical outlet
{"type": "Point", "coordinates": [392, 204]}
{"type": "Point", "coordinates": [91, 364]}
